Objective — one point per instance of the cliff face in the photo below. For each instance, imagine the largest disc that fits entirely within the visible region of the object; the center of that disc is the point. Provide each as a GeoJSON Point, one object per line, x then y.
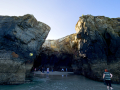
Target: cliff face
{"type": "Point", "coordinates": [65, 44]}
{"type": "Point", "coordinates": [58, 53]}
{"type": "Point", "coordinates": [94, 48]}
{"type": "Point", "coordinates": [99, 46]}
{"type": "Point", "coordinates": [19, 36]}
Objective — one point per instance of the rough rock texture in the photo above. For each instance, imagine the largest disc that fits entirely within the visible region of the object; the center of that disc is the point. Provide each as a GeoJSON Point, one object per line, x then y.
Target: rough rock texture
{"type": "Point", "coordinates": [99, 46]}
{"type": "Point", "coordinates": [58, 54]}
{"type": "Point", "coordinates": [19, 36]}
{"type": "Point", "coordinates": [65, 44]}
{"type": "Point", "coordinates": [94, 48]}
{"type": "Point", "coordinates": [12, 68]}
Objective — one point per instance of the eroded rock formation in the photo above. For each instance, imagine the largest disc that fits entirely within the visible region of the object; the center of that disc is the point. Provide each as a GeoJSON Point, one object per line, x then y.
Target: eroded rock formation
{"type": "Point", "coordinates": [19, 36]}
{"type": "Point", "coordinates": [58, 53]}
{"type": "Point", "coordinates": [65, 44]}
{"type": "Point", "coordinates": [99, 46]}
{"type": "Point", "coordinates": [95, 47]}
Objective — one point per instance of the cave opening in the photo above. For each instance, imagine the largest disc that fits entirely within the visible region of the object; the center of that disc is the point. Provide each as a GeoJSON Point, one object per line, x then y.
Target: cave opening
{"type": "Point", "coordinates": [53, 60]}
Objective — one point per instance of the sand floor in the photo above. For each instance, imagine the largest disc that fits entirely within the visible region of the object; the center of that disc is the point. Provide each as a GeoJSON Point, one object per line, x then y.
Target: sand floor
{"type": "Point", "coordinates": [54, 73]}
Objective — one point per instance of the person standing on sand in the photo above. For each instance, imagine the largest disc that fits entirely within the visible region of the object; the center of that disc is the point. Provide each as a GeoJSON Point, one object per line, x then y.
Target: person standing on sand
{"type": "Point", "coordinates": [66, 69]}
{"type": "Point", "coordinates": [35, 69]}
{"type": "Point", "coordinates": [43, 69]}
{"type": "Point", "coordinates": [47, 70]}
{"type": "Point", "coordinates": [62, 70]}
{"type": "Point", "coordinates": [107, 77]}
{"type": "Point", "coordinates": [52, 69]}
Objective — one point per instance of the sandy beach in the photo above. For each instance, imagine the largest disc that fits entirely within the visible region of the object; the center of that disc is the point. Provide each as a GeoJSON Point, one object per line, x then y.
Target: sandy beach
{"type": "Point", "coordinates": [54, 73]}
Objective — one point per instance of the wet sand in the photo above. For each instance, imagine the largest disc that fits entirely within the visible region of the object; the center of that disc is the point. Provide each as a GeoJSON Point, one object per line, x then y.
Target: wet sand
{"type": "Point", "coordinates": [54, 73]}
{"type": "Point", "coordinates": [71, 82]}
{"type": "Point", "coordinates": [59, 81]}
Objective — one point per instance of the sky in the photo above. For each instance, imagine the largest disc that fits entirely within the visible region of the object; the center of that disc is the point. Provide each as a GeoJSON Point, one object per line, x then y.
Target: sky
{"type": "Point", "coordinates": [60, 15]}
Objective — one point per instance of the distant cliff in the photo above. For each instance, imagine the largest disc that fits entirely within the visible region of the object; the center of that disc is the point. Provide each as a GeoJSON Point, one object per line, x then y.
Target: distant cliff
{"type": "Point", "coordinates": [19, 36]}
{"type": "Point", "coordinates": [65, 44]}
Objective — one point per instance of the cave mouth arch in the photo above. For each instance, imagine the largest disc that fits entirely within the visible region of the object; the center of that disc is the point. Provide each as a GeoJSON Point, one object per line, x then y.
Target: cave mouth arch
{"type": "Point", "coordinates": [54, 60]}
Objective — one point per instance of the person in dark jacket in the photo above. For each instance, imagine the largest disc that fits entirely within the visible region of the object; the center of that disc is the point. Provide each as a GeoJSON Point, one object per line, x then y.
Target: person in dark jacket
{"type": "Point", "coordinates": [107, 77]}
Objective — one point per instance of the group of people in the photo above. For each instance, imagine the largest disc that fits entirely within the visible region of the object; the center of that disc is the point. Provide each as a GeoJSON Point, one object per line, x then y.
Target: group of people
{"type": "Point", "coordinates": [106, 76]}
{"type": "Point", "coordinates": [63, 69]}
{"type": "Point", "coordinates": [43, 69]}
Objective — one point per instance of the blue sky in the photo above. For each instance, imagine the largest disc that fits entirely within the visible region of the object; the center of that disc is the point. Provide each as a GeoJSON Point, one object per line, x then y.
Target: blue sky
{"type": "Point", "coordinates": [60, 15]}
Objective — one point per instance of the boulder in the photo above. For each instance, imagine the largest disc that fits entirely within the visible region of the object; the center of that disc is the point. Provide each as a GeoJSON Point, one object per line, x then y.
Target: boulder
{"type": "Point", "coordinates": [20, 39]}
{"type": "Point", "coordinates": [99, 46]}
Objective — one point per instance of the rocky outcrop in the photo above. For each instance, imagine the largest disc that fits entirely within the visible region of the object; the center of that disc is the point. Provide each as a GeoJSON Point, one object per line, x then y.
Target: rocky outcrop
{"type": "Point", "coordinates": [58, 53]}
{"type": "Point", "coordinates": [65, 44]}
{"type": "Point", "coordinates": [19, 36]}
{"type": "Point", "coordinates": [99, 46]}
{"type": "Point", "coordinates": [95, 47]}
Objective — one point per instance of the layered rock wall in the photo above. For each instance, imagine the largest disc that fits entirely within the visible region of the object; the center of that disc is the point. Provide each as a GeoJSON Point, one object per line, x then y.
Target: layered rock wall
{"type": "Point", "coordinates": [19, 36]}
{"type": "Point", "coordinates": [99, 46]}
